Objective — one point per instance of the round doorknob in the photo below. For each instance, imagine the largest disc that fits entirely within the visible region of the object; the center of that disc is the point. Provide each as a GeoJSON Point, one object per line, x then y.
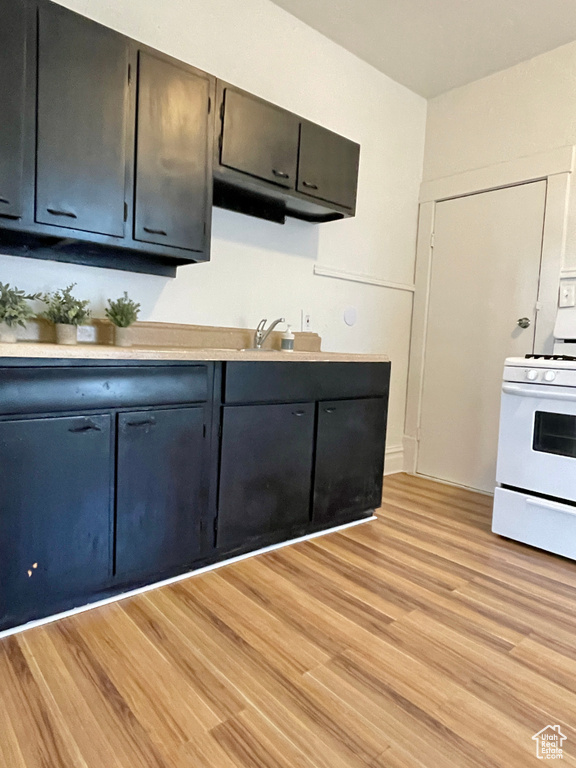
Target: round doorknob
{"type": "Point", "coordinates": [524, 322]}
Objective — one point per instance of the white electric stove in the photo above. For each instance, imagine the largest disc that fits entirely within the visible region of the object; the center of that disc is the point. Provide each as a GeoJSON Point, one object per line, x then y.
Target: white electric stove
{"type": "Point", "coordinates": [535, 497]}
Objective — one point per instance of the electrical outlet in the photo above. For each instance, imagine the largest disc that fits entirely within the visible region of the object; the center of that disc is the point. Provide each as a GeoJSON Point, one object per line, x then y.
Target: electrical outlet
{"type": "Point", "coordinates": [567, 295]}
{"type": "Point", "coordinates": [305, 321]}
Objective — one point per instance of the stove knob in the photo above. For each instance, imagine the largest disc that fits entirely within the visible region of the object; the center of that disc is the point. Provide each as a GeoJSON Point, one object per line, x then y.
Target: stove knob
{"type": "Point", "coordinates": [549, 375]}
{"type": "Point", "coordinates": [531, 375]}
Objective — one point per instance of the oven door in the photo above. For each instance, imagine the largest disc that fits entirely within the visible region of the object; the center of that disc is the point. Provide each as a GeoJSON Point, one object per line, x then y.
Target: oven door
{"type": "Point", "coordinates": [537, 442]}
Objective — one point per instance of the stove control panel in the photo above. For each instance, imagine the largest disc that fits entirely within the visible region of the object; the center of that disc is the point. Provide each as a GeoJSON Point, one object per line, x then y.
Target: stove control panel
{"type": "Point", "coordinates": [562, 377]}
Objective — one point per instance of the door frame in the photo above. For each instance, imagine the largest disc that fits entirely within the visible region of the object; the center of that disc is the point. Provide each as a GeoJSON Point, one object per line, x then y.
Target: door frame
{"type": "Point", "coordinates": [555, 167]}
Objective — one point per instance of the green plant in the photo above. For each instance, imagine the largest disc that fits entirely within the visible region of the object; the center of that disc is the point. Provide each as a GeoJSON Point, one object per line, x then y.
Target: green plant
{"type": "Point", "coordinates": [122, 312]}
{"type": "Point", "coordinates": [64, 308]}
{"type": "Point", "coordinates": [14, 307]}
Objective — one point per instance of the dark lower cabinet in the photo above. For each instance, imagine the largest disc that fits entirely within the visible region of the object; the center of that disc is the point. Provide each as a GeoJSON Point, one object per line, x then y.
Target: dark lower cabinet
{"type": "Point", "coordinates": [55, 514]}
{"type": "Point", "coordinates": [265, 472]}
{"type": "Point", "coordinates": [172, 158]}
{"type": "Point", "coordinates": [12, 96]}
{"type": "Point", "coordinates": [158, 491]}
{"type": "Point", "coordinates": [82, 109]}
{"type": "Point", "coordinates": [125, 492]}
{"type": "Point", "coordinates": [349, 458]}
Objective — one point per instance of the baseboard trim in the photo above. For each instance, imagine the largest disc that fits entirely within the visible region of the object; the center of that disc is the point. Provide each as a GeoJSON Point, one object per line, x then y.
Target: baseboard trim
{"type": "Point", "coordinates": [410, 454]}
{"type": "Point", "coordinates": [453, 484]}
{"type": "Point", "coordinates": [394, 460]}
{"type": "Point", "coordinates": [180, 577]}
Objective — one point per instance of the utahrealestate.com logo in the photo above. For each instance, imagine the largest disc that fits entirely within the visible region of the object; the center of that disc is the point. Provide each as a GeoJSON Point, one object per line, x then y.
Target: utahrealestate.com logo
{"type": "Point", "coordinates": [549, 743]}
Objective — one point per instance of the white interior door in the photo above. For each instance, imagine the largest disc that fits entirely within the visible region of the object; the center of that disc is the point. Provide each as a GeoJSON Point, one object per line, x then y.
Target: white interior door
{"type": "Point", "coordinates": [485, 272]}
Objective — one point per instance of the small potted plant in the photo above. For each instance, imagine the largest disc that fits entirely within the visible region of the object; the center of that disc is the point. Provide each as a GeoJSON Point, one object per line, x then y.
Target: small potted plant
{"type": "Point", "coordinates": [122, 313]}
{"type": "Point", "coordinates": [14, 311]}
{"type": "Point", "coordinates": [66, 312]}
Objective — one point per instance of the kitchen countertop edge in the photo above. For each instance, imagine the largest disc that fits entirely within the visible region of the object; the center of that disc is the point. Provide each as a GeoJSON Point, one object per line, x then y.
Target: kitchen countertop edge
{"type": "Point", "coordinates": [30, 350]}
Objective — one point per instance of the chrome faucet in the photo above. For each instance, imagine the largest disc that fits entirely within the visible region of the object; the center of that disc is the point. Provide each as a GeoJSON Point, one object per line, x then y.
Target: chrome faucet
{"type": "Point", "coordinates": [260, 335]}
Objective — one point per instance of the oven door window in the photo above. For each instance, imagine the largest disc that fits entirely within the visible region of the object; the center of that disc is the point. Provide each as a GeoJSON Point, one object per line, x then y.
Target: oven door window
{"type": "Point", "coordinates": [555, 433]}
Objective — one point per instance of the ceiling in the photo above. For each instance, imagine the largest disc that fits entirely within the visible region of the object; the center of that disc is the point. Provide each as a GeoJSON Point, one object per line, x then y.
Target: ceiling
{"type": "Point", "coordinates": [432, 46]}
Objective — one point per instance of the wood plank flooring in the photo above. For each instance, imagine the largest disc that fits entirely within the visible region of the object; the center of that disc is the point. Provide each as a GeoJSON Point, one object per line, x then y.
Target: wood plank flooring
{"type": "Point", "coordinates": [419, 640]}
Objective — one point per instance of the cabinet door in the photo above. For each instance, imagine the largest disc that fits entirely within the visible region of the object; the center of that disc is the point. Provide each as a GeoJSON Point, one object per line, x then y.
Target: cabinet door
{"type": "Point", "coordinates": [82, 103]}
{"type": "Point", "coordinates": [259, 139]}
{"type": "Point", "coordinates": [12, 91]}
{"type": "Point", "coordinates": [172, 155]}
{"type": "Point", "coordinates": [265, 471]}
{"type": "Point", "coordinates": [349, 458]}
{"type": "Point", "coordinates": [55, 514]}
{"type": "Point", "coordinates": [328, 166]}
{"type": "Point", "coordinates": [158, 490]}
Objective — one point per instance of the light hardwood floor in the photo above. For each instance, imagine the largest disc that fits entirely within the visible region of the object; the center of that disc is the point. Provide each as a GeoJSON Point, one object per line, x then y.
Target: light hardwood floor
{"type": "Point", "coordinates": [419, 640]}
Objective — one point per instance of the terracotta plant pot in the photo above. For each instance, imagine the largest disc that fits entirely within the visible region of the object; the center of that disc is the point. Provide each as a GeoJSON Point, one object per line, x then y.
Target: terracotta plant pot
{"type": "Point", "coordinates": [66, 334]}
{"type": "Point", "coordinates": [7, 333]}
{"type": "Point", "coordinates": [122, 336]}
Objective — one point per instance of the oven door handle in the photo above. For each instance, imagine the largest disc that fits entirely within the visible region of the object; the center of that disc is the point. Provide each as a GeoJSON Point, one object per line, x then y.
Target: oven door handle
{"type": "Point", "coordinates": [542, 392]}
{"type": "Point", "coordinates": [541, 504]}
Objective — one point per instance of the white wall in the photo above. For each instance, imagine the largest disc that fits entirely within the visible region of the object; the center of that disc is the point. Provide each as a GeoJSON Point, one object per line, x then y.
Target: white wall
{"type": "Point", "coordinates": [523, 110]}
{"type": "Point", "coordinates": [520, 112]}
{"type": "Point", "coordinates": [259, 269]}
{"type": "Point", "coordinates": [490, 133]}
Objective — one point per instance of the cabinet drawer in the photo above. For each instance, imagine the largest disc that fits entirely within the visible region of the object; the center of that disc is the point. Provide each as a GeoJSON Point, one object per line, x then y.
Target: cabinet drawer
{"type": "Point", "coordinates": [43, 390]}
{"type": "Point", "coordinates": [271, 382]}
{"type": "Point", "coordinates": [542, 523]}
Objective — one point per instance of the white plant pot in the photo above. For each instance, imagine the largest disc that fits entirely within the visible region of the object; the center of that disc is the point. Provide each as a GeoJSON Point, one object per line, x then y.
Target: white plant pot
{"type": "Point", "coordinates": [66, 334]}
{"type": "Point", "coordinates": [122, 336]}
{"type": "Point", "coordinates": [7, 333]}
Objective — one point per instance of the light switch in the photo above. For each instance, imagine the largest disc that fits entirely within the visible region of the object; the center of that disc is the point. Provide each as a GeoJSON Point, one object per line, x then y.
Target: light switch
{"type": "Point", "coordinates": [567, 295]}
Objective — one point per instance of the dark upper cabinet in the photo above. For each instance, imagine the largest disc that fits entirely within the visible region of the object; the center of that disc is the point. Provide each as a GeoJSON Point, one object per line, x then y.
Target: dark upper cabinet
{"type": "Point", "coordinates": [349, 458]}
{"type": "Point", "coordinates": [172, 157]}
{"type": "Point", "coordinates": [327, 165]}
{"type": "Point", "coordinates": [107, 151]}
{"type": "Point", "coordinates": [270, 163]}
{"type": "Point", "coordinates": [55, 513]}
{"type": "Point", "coordinates": [13, 44]}
{"type": "Point", "coordinates": [259, 139]}
{"type": "Point", "coordinates": [158, 490]}
{"type": "Point", "coordinates": [81, 131]}
{"type": "Point", "coordinates": [265, 471]}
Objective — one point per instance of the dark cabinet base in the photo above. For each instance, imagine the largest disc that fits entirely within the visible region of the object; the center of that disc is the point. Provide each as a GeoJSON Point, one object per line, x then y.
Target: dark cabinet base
{"type": "Point", "coordinates": [159, 490]}
{"type": "Point", "coordinates": [116, 475]}
{"type": "Point", "coordinates": [113, 590]}
{"type": "Point", "coordinates": [265, 471]}
{"type": "Point", "coordinates": [55, 514]}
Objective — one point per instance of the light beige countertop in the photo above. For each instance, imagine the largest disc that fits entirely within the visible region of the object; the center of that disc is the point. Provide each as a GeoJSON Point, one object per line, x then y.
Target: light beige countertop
{"type": "Point", "coordinates": [109, 352]}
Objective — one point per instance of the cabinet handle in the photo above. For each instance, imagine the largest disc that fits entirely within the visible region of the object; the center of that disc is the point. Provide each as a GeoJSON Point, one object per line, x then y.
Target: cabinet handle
{"type": "Point", "coordinates": [56, 212]}
{"type": "Point", "coordinates": [88, 426]}
{"type": "Point", "coordinates": [155, 231]}
{"type": "Point", "coordinates": [149, 422]}
{"type": "Point", "coordinates": [329, 410]}
{"type": "Point", "coordinates": [4, 200]}
{"type": "Point", "coordinates": [298, 413]}
{"type": "Point", "coordinates": [309, 186]}
{"type": "Point", "coordinates": [280, 174]}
